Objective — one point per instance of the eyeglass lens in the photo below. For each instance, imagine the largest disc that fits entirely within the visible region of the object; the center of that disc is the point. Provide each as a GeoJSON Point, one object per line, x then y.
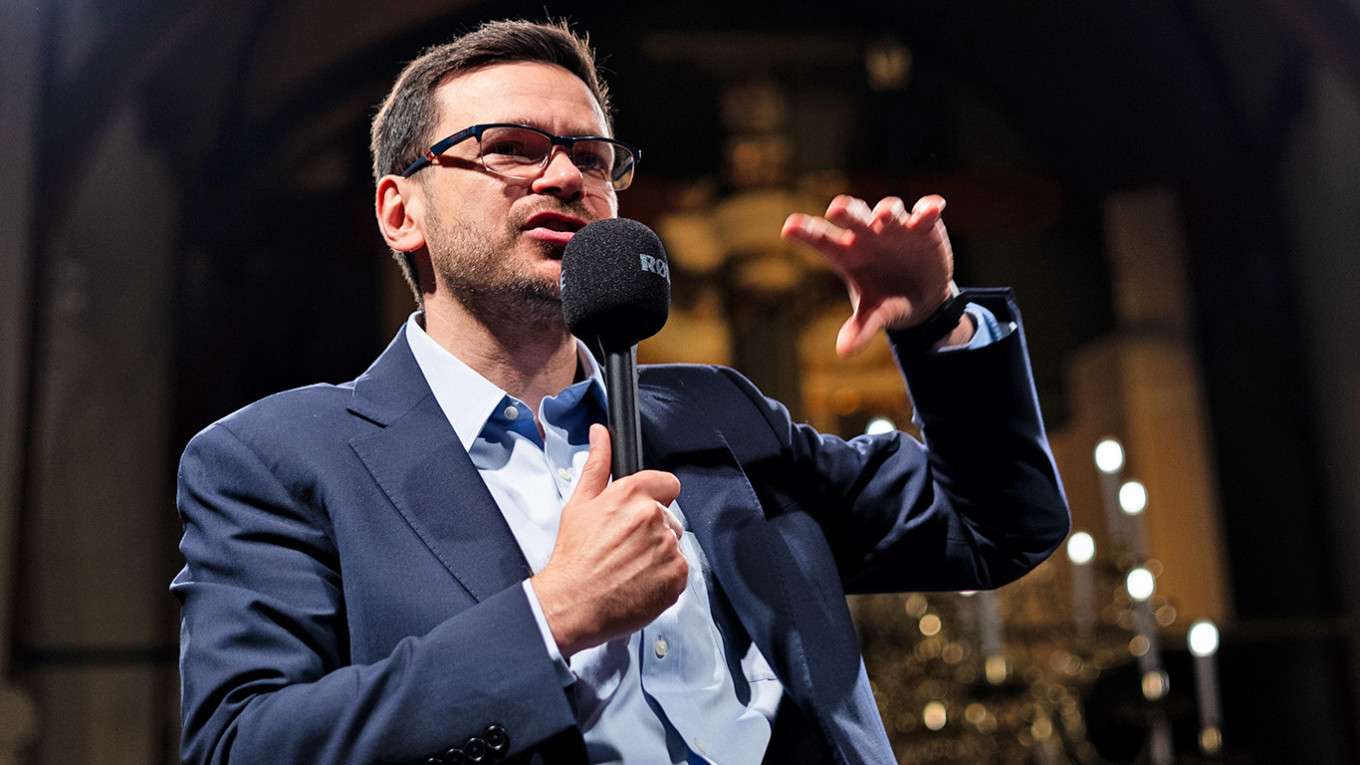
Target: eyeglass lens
{"type": "Point", "coordinates": [521, 152]}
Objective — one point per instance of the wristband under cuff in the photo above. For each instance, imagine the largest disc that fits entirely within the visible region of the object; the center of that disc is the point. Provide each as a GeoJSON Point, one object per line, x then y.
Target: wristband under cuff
{"type": "Point", "coordinates": [924, 336]}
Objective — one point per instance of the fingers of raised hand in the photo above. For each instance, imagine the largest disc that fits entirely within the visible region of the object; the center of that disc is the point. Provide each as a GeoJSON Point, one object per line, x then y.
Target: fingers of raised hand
{"type": "Point", "coordinates": [850, 212]}
{"type": "Point", "coordinates": [818, 233]}
{"type": "Point", "coordinates": [926, 212]}
{"type": "Point", "coordinates": [888, 212]}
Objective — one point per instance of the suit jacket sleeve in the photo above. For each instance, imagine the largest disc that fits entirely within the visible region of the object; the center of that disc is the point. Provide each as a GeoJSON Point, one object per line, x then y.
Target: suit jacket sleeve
{"type": "Point", "coordinates": [266, 662]}
{"type": "Point", "coordinates": [977, 505]}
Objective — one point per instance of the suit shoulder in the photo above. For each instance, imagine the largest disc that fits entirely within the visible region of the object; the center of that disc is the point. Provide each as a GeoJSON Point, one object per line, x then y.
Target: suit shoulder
{"type": "Point", "coordinates": [718, 395]}
{"type": "Point", "coordinates": [290, 415]}
{"type": "Point", "coordinates": [691, 377]}
{"type": "Point", "coordinates": [308, 401]}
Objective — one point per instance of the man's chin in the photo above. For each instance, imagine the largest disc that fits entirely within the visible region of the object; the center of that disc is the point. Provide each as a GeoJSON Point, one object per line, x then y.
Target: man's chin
{"type": "Point", "coordinates": [540, 295]}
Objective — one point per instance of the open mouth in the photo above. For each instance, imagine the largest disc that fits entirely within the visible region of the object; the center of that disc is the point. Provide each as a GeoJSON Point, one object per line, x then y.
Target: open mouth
{"type": "Point", "coordinates": [553, 227]}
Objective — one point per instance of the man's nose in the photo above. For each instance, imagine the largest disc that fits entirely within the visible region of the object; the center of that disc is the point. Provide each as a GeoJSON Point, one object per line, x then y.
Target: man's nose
{"type": "Point", "coordinates": [561, 177]}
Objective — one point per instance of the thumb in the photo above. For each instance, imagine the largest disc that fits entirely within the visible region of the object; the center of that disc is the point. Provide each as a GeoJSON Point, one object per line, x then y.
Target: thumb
{"type": "Point", "coordinates": [595, 473]}
{"type": "Point", "coordinates": [856, 332]}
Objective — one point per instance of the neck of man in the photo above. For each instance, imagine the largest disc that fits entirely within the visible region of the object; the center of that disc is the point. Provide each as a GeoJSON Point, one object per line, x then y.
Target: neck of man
{"type": "Point", "coordinates": [529, 358]}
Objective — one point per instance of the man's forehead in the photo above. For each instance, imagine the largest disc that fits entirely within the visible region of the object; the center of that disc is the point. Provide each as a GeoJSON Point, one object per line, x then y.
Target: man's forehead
{"type": "Point", "coordinates": [533, 93]}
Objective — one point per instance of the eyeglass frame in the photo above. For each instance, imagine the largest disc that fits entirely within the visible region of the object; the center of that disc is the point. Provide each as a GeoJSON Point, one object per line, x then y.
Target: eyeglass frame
{"type": "Point", "coordinates": [433, 153]}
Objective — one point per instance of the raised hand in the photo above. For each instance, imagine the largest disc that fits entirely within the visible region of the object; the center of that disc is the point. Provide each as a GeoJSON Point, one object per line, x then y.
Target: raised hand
{"type": "Point", "coordinates": [896, 264]}
{"type": "Point", "coordinates": [617, 562]}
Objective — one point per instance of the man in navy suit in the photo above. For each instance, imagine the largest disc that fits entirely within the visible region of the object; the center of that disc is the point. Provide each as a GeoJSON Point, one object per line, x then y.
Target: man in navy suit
{"type": "Point", "coordinates": [430, 564]}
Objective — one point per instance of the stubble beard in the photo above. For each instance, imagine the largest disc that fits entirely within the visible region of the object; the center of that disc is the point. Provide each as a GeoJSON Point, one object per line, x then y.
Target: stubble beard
{"type": "Point", "coordinates": [478, 264]}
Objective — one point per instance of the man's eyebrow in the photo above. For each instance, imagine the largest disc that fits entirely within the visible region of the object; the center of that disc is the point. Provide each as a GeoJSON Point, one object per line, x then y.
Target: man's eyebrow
{"type": "Point", "coordinates": [539, 125]}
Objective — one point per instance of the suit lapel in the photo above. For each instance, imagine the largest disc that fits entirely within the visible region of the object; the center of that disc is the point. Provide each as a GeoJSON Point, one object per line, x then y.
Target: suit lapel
{"type": "Point", "coordinates": [723, 511]}
{"type": "Point", "coordinates": [777, 573]}
{"type": "Point", "coordinates": [418, 462]}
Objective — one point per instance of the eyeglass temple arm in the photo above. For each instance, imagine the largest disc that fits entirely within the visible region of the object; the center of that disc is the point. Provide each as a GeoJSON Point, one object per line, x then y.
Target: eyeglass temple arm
{"type": "Point", "coordinates": [432, 153]}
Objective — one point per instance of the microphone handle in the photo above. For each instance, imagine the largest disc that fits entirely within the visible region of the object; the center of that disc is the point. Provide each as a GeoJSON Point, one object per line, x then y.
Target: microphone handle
{"type": "Point", "coordinates": [625, 427]}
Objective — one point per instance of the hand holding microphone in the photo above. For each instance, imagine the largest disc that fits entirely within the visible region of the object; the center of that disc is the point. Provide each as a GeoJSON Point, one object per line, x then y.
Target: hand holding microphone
{"type": "Point", "coordinates": [617, 563]}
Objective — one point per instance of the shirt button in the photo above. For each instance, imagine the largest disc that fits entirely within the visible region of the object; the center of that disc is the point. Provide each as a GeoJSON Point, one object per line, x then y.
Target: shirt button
{"type": "Point", "coordinates": [566, 474]}
{"type": "Point", "coordinates": [661, 648]}
{"type": "Point", "coordinates": [699, 746]}
{"type": "Point", "coordinates": [511, 412]}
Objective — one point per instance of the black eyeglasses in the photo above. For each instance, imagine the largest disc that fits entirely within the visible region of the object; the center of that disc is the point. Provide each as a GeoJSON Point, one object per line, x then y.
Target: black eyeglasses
{"type": "Point", "coordinates": [520, 151]}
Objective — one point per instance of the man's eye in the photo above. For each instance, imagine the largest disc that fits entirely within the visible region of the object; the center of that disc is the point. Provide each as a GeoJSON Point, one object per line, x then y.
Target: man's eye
{"type": "Point", "coordinates": [592, 160]}
{"type": "Point", "coordinates": [507, 148]}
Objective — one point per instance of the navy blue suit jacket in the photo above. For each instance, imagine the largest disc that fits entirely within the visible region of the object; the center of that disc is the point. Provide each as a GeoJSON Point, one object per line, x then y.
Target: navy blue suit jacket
{"type": "Point", "coordinates": [350, 589]}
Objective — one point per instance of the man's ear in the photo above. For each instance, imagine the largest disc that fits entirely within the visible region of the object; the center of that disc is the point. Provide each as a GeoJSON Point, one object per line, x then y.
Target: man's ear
{"type": "Point", "coordinates": [398, 205]}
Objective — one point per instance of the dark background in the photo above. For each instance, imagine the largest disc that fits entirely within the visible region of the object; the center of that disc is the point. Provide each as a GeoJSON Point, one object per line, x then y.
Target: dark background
{"type": "Point", "coordinates": [187, 226]}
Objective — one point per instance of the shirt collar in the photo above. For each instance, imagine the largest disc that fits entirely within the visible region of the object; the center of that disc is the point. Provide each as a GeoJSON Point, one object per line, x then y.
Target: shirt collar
{"type": "Point", "coordinates": [469, 400]}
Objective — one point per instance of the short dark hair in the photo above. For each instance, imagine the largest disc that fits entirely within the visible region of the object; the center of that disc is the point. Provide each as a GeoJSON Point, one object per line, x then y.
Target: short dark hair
{"type": "Point", "coordinates": [402, 127]}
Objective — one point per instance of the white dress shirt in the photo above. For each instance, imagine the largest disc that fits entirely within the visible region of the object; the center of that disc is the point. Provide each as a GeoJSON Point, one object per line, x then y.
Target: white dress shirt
{"type": "Point", "coordinates": [664, 693]}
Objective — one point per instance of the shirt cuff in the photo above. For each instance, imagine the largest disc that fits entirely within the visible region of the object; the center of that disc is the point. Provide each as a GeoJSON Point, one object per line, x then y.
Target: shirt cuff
{"type": "Point", "coordinates": [564, 673]}
{"type": "Point", "coordinates": [987, 330]}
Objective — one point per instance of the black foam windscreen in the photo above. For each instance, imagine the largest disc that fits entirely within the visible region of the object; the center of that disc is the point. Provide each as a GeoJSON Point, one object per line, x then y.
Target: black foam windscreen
{"type": "Point", "coordinates": [616, 283]}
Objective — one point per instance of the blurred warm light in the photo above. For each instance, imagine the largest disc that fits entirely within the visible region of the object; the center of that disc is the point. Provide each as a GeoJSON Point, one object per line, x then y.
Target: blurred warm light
{"type": "Point", "coordinates": [1203, 638]}
{"type": "Point", "coordinates": [952, 653]}
{"type": "Point", "coordinates": [846, 400]}
{"type": "Point", "coordinates": [1042, 729]}
{"type": "Point", "coordinates": [1081, 548]}
{"type": "Point", "coordinates": [1165, 614]}
{"type": "Point", "coordinates": [1140, 583]}
{"type": "Point", "coordinates": [887, 62]}
{"type": "Point", "coordinates": [1133, 497]}
{"type": "Point", "coordinates": [1210, 739]}
{"type": "Point", "coordinates": [1139, 645]}
{"type": "Point", "coordinates": [1066, 663]}
{"type": "Point", "coordinates": [996, 670]}
{"type": "Point", "coordinates": [1109, 456]}
{"type": "Point", "coordinates": [879, 425]}
{"type": "Point", "coordinates": [934, 715]}
{"type": "Point", "coordinates": [930, 625]}
{"type": "Point", "coordinates": [1155, 685]}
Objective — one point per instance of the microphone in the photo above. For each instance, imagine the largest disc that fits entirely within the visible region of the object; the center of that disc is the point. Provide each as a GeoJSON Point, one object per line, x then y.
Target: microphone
{"type": "Point", "coordinates": [616, 291]}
